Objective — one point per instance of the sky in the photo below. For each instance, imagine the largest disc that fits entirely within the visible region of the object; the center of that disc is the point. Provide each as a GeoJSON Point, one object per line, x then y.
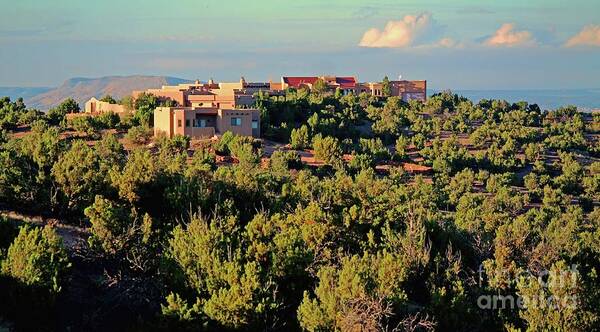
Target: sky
{"type": "Point", "coordinates": [454, 44]}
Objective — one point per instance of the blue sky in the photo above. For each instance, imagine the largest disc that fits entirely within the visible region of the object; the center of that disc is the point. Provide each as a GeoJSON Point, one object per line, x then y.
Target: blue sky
{"type": "Point", "coordinates": [464, 44]}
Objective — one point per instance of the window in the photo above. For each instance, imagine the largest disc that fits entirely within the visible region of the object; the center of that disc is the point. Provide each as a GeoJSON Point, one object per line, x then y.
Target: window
{"type": "Point", "coordinates": [187, 122]}
{"type": "Point", "coordinates": [254, 124]}
{"type": "Point", "coordinates": [179, 123]}
{"type": "Point", "coordinates": [236, 121]}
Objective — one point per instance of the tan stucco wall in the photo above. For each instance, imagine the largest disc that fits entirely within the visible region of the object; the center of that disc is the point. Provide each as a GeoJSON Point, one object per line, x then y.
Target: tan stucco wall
{"type": "Point", "coordinates": [224, 121]}
{"type": "Point", "coordinates": [174, 121]}
{"type": "Point", "coordinates": [209, 100]}
{"type": "Point", "coordinates": [163, 122]}
{"type": "Point", "coordinates": [98, 107]}
{"type": "Point", "coordinates": [227, 88]}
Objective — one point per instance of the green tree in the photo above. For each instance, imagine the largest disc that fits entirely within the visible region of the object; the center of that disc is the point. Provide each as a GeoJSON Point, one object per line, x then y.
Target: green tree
{"type": "Point", "coordinates": [57, 114]}
{"type": "Point", "coordinates": [553, 305]}
{"type": "Point", "coordinates": [282, 161]}
{"type": "Point", "coordinates": [245, 152]}
{"type": "Point", "coordinates": [128, 102]}
{"type": "Point", "coordinates": [108, 99]}
{"type": "Point", "coordinates": [86, 125]}
{"type": "Point", "coordinates": [390, 119]}
{"type": "Point", "coordinates": [228, 290]}
{"type": "Point", "coordinates": [401, 146]}
{"type": "Point", "coordinates": [139, 135]}
{"type": "Point", "coordinates": [144, 104]}
{"type": "Point", "coordinates": [108, 120]}
{"type": "Point", "coordinates": [137, 177]}
{"type": "Point", "coordinates": [78, 176]}
{"type": "Point", "coordinates": [11, 113]}
{"type": "Point", "coordinates": [572, 174]}
{"type": "Point", "coordinates": [222, 146]}
{"type": "Point", "coordinates": [112, 225]}
{"type": "Point", "coordinates": [299, 139]}
{"type": "Point", "coordinates": [37, 258]}
{"type": "Point", "coordinates": [386, 87]}
{"type": "Point", "coordinates": [110, 154]}
{"type": "Point", "coordinates": [320, 86]}
{"type": "Point", "coordinates": [356, 296]}
{"type": "Point", "coordinates": [327, 149]}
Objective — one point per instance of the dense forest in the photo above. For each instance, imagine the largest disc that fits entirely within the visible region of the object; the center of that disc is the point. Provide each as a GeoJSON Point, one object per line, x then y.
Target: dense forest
{"type": "Point", "coordinates": [104, 227]}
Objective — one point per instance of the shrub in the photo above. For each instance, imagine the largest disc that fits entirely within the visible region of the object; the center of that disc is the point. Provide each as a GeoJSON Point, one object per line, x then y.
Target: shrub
{"type": "Point", "coordinates": [110, 224]}
{"type": "Point", "coordinates": [401, 145]}
{"type": "Point", "coordinates": [85, 124]}
{"type": "Point", "coordinates": [327, 149]}
{"type": "Point", "coordinates": [374, 148]}
{"type": "Point", "coordinates": [57, 114]}
{"type": "Point", "coordinates": [299, 139]}
{"type": "Point", "coordinates": [242, 148]}
{"type": "Point", "coordinates": [282, 161]}
{"type": "Point", "coordinates": [108, 99]}
{"type": "Point", "coordinates": [179, 143]}
{"type": "Point", "coordinates": [222, 146]}
{"type": "Point", "coordinates": [30, 116]}
{"type": "Point", "coordinates": [11, 113]}
{"type": "Point", "coordinates": [361, 161]}
{"type": "Point", "coordinates": [76, 173]}
{"type": "Point", "coordinates": [36, 258]}
{"type": "Point", "coordinates": [139, 135]}
{"type": "Point", "coordinates": [108, 120]}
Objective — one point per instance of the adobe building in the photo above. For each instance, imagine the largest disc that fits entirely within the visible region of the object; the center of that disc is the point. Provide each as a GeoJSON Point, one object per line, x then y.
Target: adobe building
{"type": "Point", "coordinates": [217, 95]}
{"type": "Point", "coordinates": [96, 107]}
{"type": "Point", "coordinates": [346, 84]}
{"type": "Point", "coordinates": [202, 122]}
{"type": "Point", "coordinates": [407, 90]}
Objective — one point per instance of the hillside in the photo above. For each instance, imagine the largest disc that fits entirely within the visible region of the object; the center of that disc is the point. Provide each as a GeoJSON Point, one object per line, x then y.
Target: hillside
{"type": "Point", "coordinates": [82, 89]}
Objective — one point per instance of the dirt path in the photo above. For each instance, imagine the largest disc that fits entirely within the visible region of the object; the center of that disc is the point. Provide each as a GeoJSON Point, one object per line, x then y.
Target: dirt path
{"type": "Point", "coordinates": [73, 236]}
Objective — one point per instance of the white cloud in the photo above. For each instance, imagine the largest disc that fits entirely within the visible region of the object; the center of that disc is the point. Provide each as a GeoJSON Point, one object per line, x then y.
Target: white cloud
{"type": "Point", "coordinates": [448, 43]}
{"type": "Point", "coordinates": [401, 33]}
{"type": "Point", "coordinates": [588, 36]}
{"type": "Point", "coordinates": [507, 36]}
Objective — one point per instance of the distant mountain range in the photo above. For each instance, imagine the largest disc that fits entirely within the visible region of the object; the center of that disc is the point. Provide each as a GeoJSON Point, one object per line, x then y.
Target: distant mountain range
{"type": "Point", "coordinates": [25, 93]}
{"type": "Point", "coordinates": [82, 89]}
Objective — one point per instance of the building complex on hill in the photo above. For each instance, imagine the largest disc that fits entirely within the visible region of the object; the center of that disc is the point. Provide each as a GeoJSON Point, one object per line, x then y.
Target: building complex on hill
{"type": "Point", "coordinates": [241, 94]}
{"type": "Point", "coordinates": [204, 110]}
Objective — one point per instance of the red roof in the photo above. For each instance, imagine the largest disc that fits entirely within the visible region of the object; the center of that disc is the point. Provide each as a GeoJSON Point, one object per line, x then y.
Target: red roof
{"type": "Point", "coordinates": [296, 82]}
{"type": "Point", "coordinates": [346, 82]}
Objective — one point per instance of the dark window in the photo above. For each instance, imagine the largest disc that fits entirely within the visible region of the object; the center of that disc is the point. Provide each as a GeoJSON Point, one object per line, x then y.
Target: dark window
{"type": "Point", "coordinates": [187, 123]}
{"type": "Point", "coordinates": [179, 123]}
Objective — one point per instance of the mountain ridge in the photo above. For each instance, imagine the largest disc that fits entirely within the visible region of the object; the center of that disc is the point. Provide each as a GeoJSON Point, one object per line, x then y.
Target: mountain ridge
{"type": "Point", "coordinates": [83, 88]}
